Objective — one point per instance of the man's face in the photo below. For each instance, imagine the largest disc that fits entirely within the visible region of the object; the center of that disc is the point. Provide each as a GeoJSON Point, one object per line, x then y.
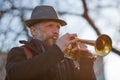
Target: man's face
{"type": "Point", "coordinates": [47, 31]}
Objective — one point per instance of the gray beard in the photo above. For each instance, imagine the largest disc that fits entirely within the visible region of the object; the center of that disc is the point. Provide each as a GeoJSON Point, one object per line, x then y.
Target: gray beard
{"type": "Point", "coordinates": [38, 35]}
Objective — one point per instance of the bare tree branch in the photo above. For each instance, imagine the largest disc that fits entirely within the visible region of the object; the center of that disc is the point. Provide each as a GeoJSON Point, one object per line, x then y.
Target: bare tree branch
{"type": "Point", "coordinates": [86, 16]}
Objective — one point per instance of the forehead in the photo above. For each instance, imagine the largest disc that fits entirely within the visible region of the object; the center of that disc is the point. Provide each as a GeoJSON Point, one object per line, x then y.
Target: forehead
{"type": "Point", "coordinates": [50, 22]}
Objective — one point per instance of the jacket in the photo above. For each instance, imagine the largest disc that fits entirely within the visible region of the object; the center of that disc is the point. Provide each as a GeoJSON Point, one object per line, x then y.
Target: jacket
{"type": "Point", "coordinates": [47, 63]}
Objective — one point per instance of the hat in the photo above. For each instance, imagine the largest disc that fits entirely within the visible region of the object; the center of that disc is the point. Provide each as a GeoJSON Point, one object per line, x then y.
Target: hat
{"type": "Point", "coordinates": [43, 13]}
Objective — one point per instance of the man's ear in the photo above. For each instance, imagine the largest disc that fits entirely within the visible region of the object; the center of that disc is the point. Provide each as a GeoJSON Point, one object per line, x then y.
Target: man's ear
{"type": "Point", "coordinates": [32, 30]}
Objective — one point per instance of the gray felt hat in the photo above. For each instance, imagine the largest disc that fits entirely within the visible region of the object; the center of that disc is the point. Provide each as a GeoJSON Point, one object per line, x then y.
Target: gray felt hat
{"type": "Point", "coordinates": [43, 13]}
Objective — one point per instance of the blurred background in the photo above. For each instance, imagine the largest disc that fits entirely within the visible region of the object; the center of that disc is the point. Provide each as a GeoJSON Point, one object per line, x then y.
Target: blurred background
{"type": "Point", "coordinates": [87, 18]}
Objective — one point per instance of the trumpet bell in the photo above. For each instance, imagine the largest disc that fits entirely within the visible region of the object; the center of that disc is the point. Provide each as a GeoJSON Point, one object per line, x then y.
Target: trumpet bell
{"type": "Point", "coordinates": [103, 45]}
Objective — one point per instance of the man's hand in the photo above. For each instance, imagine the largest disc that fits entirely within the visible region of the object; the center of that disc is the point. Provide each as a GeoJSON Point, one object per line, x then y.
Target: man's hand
{"type": "Point", "coordinates": [71, 43]}
{"type": "Point", "coordinates": [65, 40]}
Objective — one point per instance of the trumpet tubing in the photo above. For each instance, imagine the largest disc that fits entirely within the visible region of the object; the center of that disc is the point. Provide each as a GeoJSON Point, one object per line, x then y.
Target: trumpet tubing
{"type": "Point", "coordinates": [102, 45]}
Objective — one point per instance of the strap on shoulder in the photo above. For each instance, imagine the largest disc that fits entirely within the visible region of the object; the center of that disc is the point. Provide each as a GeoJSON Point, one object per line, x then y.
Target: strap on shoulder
{"type": "Point", "coordinates": [27, 52]}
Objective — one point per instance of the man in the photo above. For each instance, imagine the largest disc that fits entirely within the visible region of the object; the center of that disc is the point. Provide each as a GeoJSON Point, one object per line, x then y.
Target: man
{"type": "Point", "coordinates": [48, 61]}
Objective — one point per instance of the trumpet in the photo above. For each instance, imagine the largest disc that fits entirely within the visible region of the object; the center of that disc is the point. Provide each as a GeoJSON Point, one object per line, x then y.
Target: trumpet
{"type": "Point", "coordinates": [102, 45]}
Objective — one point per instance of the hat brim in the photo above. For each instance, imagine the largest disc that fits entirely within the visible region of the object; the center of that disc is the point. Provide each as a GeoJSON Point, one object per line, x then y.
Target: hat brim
{"type": "Point", "coordinates": [31, 22]}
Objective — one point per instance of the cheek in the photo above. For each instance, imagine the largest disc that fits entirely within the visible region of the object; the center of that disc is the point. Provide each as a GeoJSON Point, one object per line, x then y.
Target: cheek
{"type": "Point", "coordinates": [46, 33]}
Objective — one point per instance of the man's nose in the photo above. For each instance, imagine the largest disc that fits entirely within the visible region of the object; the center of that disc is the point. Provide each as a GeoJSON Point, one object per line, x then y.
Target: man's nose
{"type": "Point", "coordinates": [56, 31]}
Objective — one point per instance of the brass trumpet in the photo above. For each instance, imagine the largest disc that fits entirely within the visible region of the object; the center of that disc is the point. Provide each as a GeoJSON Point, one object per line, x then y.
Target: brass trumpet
{"type": "Point", "coordinates": [102, 45]}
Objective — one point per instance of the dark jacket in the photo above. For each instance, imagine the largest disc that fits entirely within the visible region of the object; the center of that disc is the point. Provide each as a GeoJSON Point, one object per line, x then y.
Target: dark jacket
{"type": "Point", "coordinates": [46, 64]}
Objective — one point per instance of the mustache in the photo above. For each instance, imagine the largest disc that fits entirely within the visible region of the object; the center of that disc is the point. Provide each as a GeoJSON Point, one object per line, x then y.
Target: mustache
{"type": "Point", "coordinates": [55, 37]}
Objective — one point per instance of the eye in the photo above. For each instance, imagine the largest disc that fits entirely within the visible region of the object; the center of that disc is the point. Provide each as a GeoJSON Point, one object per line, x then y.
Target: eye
{"type": "Point", "coordinates": [58, 27]}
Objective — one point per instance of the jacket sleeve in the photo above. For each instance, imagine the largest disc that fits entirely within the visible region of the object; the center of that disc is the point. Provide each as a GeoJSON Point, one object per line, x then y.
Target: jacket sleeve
{"type": "Point", "coordinates": [20, 68]}
{"type": "Point", "coordinates": [86, 71]}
